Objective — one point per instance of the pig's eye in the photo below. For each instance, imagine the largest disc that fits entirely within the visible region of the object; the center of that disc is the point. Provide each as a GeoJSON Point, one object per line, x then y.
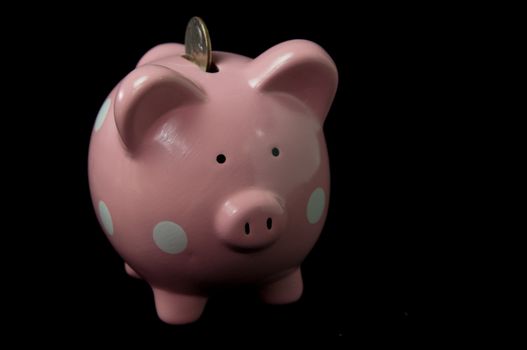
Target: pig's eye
{"type": "Point", "coordinates": [221, 158]}
{"type": "Point", "coordinates": [275, 151]}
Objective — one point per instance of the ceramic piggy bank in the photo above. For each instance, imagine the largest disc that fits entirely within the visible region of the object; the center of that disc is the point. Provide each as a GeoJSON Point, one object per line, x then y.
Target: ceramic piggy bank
{"type": "Point", "coordinates": [206, 180]}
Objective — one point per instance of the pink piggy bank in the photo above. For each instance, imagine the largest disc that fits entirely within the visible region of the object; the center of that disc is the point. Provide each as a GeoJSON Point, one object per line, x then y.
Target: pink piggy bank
{"type": "Point", "coordinates": [205, 180]}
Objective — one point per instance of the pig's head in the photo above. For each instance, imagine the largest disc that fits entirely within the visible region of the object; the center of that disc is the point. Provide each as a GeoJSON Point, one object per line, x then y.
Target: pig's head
{"type": "Point", "coordinates": [236, 160]}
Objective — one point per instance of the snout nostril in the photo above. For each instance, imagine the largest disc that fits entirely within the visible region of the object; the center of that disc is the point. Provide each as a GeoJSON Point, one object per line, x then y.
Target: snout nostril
{"type": "Point", "coordinates": [247, 228]}
{"type": "Point", "coordinates": [269, 223]}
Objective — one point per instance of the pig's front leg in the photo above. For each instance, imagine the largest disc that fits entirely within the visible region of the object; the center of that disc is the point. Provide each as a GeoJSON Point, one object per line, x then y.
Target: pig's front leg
{"type": "Point", "coordinates": [284, 290]}
{"type": "Point", "coordinates": [175, 308]}
{"type": "Point", "coordinates": [131, 271]}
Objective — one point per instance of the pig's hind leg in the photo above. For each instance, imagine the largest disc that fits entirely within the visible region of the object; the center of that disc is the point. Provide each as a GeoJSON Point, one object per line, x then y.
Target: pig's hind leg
{"type": "Point", "coordinates": [131, 271]}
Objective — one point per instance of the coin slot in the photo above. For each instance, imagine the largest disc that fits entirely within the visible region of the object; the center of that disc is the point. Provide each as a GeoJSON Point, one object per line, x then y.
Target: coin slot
{"type": "Point", "coordinates": [213, 68]}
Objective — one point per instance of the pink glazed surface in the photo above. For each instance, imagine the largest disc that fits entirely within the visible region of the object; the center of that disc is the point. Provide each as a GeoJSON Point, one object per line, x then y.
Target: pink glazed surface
{"type": "Point", "coordinates": [175, 214]}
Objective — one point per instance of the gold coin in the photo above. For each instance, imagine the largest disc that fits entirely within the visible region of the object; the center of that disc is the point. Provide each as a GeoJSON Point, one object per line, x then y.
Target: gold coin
{"type": "Point", "coordinates": [197, 44]}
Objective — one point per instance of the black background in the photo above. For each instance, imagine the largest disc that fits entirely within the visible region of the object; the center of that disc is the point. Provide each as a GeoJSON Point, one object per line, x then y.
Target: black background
{"type": "Point", "coordinates": [365, 278]}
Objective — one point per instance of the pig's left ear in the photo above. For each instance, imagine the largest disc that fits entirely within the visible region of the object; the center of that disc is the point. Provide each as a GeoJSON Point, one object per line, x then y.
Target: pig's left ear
{"type": "Point", "coordinates": [299, 68]}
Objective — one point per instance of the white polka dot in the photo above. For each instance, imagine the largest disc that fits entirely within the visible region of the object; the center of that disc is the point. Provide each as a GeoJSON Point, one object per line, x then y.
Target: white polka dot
{"type": "Point", "coordinates": [315, 206]}
{"type": "Point", "coordinates": [101, 116]}
{"type": "Point", "coordinates": [106, 218]}
{"type": "Point", "coordinates": [170, 237]}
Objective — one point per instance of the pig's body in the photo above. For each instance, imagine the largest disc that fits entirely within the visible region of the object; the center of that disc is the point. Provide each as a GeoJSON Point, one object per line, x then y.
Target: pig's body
{"type": "Point", "coordinates": [187, 222]}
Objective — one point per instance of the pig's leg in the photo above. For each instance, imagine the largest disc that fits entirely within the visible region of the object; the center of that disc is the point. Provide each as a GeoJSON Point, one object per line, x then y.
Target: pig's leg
{"type": "Point", "coordinates": [174, 308]}
{"type": "Point", "coordinates": [131, 271]}
{"type": "Point", "coordinates": [286, 289]}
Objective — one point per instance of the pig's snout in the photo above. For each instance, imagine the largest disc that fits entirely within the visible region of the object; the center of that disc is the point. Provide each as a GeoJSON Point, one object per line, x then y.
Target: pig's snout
{"type": "Point", "coordinates": [251, 220]}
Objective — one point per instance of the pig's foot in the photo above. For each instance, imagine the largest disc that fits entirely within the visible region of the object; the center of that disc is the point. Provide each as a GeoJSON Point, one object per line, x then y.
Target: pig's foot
{"type": "Point", "coordinates": [131, 271]}
{"type": "Point", "coordinates": [174, 308]}
{"type": "Point", "coordinates": [284, 290]}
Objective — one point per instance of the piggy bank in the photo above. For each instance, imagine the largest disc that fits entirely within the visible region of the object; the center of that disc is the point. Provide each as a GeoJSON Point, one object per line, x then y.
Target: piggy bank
{"type": "Point", "coordinates": [208, 180]}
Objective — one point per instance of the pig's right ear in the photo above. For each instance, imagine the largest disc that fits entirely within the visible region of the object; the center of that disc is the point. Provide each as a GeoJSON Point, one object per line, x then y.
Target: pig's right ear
{"type": "Point", "coordinates": [145, 95]}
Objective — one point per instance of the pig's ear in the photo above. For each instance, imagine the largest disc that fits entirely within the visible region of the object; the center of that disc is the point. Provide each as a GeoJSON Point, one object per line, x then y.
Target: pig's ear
{"type": "Point", "coordinates": [299, 68]}
{"type": "Point", "coordinates": [146, 94]}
